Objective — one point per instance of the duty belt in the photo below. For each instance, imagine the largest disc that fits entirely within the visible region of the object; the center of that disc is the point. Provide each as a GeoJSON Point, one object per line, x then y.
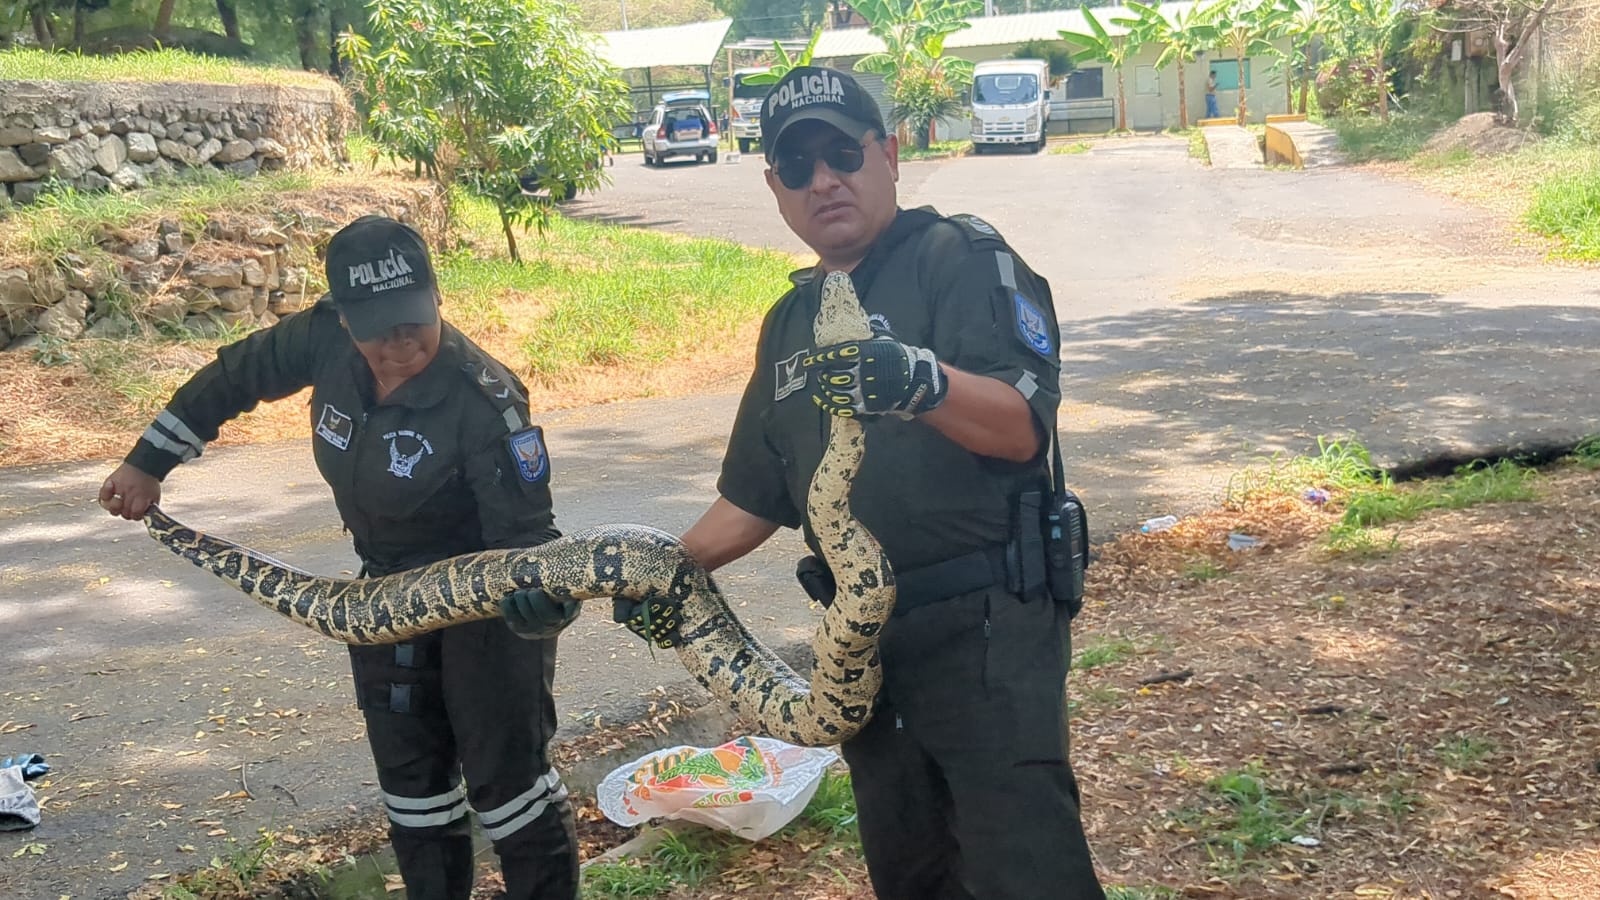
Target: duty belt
{"type": "Point", "coordinates": [933, 583]}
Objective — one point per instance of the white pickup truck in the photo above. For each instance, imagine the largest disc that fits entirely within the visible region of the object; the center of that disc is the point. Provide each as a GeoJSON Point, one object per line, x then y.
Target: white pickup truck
{"type": "Point", "coordinates": [1010, 103]}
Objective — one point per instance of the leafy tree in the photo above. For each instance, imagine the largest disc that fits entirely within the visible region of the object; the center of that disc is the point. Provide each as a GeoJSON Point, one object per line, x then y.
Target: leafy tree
{"type": "Point", "coordinates": [1115, 49]}
{"type": "Point", "coordinates": [1056, 53]}
{"type": "Point", "coordinates": [1248, 27]}
{"type": "Point", "coordinates": [923, 84]}
{"type": "Point", "coordinates": [1182, 37]}
{"type": "Point", "coordinates": [1303, 26]}
{"type": "Point", "coordinates": [1510, 24]}
{"type": "Point", "coordinates": [773, 18]}
{"type": "Point", "coordinates": [1366, 28]}
{"type": "Point", "coordinates": [483, 92]}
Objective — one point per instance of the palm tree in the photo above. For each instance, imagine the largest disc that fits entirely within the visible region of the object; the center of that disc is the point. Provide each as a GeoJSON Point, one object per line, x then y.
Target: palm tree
{"type": "Point", "coordinates": [1183, 37]}
{"type": "Point", "coordinates": [1116, 49]}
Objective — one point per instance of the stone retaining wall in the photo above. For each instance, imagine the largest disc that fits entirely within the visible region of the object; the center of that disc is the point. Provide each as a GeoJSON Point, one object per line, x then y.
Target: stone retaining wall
{"type": "Point", "coordinates": [231, 270]}
{"type": "Point", "coordinates": [118, 136]}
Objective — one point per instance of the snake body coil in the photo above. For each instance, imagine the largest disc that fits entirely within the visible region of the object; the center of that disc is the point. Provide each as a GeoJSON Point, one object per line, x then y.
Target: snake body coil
{"type": "Point", "coordinates": [632, 562]}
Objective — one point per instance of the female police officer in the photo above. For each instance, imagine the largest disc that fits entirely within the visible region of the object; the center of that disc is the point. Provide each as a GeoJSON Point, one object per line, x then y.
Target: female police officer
{"type": "Point", "coordinates": [425, 442]}
{"type": "Point", "coordinates": [962, 781]}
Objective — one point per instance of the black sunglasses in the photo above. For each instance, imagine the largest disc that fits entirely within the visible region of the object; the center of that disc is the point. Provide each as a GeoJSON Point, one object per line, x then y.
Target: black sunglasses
{"type": "Point", "coordinates": [795, 169]}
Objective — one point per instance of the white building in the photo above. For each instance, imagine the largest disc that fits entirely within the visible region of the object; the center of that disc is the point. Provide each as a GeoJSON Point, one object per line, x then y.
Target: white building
{"type": "Point", "coordinates": [1086, 100]}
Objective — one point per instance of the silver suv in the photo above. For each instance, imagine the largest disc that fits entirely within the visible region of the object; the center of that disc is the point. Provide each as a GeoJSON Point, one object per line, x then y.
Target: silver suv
{"type": "Point", "coordinates": [680, 126]}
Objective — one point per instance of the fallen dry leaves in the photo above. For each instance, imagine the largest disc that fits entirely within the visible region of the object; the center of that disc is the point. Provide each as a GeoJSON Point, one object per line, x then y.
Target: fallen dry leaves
{"type": "Point", "coordinates": [1427, 723]}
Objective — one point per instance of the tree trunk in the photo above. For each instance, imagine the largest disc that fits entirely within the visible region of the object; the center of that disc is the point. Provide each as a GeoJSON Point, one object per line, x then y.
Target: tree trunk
{"type": "Point", "coordinates": [228, 12]}
{"type": "Point", "coordinates": [164, 16]}
{"type": "Point", "coordinates": [1383, 88]}
{"type": "Point", "coordinates": [1183, 99]}
{"type": "Point", "coordinates": [336, 24]}
{"type": "Point", "coordinates": [1305, 92]}
{"type": "Point", "coordinates": [42, 32]}
{"type": "Point", "coordinates": [1122, 103]}
{"type": "Point", "coordinates": [1239, 61]}
{"type": "Point", "coordinates": [80, 16]}
{"type": "Point", "coordinates": [511, 237]}
{"type": "Point", "coordinates": [305, 32]}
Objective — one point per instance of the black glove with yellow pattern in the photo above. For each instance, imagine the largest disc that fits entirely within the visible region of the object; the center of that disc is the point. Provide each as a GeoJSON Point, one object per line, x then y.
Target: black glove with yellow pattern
{"type": "Point", "coordinates": [876, 377]}
{"type": "Point", "coordinates": [655, 620]}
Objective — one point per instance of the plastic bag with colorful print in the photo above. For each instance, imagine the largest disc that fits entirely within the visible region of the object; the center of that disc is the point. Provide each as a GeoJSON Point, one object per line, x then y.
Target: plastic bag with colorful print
{"type": "Point", "coordinates": [751, 786]}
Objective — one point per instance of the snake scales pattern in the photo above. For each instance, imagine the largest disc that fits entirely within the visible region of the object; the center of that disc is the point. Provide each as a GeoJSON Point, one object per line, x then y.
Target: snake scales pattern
{"type": "Point", "coordinates": [633, 562]}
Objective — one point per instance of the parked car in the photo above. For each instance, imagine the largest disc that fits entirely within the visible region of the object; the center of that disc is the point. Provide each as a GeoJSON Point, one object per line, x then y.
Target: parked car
{"type": "Point", "coordinates": [681, 125]}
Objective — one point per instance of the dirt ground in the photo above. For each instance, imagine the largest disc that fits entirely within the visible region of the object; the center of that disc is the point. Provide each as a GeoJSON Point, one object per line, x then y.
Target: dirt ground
{"type": "Point", "coordinates": [1283, 722]}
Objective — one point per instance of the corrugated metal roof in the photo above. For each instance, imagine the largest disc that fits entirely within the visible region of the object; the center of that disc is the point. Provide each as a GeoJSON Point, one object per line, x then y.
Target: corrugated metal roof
{"type": "Point", "coordinates": [991, 31]}
{"type": "Point", "coordinates": [696, 44]}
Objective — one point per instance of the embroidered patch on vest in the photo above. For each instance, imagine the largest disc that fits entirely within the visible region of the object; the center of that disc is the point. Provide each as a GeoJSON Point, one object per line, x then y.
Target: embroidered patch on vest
{"type": "Point", "coordinates": [788, 376]}
{"type": "Point", "coordinates": [335, 427]}
{"type": "Point", "coordinates": [1032, 327]}
{"type": "Point", "coordinates": [527, 451]}
{"type": "Point", "coordinates": [406, 449]}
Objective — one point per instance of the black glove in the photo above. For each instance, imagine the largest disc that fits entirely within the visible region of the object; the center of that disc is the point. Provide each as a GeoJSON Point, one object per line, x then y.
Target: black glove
{"type": "Point", "coordinates": [537, 616]}
{"type": "Point", "coordinates": [877, 377]}
{"type": "Point", "coordinates": [656, 621]}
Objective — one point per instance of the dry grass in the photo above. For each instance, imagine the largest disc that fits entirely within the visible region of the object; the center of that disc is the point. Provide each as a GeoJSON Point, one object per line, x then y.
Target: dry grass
{"type": "Point", "coordinates": [1428, 717]}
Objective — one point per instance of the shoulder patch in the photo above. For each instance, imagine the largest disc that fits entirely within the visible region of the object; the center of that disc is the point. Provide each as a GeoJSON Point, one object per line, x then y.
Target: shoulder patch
{"type": "Point", "coordinates": [528, 452]}
{"type": "Point", "coordinates": [494, 382]}
{"type": "Point", "coordinates": [975, 228]}
{"type": "Point", "coordinates": [1032, 327]}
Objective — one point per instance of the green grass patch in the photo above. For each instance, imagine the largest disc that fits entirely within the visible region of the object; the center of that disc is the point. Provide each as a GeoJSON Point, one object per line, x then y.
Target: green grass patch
{"type": "Point", "coordinates": [66, 220]}
{"type": "Point", "coordinates": [1338, 466]}
{"type": "Point", "coordinates": [1198, 148]}
{"type": "Point", "coordinates": [1454, 158]}
{"type": "Point", "coordinates": [1566, 206]}
{"type": "Point", "coordinates": [936, 150]}
{"type": "Point", "coordinates": [1464, 752]}
{"type": "Point", "coordinates": [1587, 452]}
{"type": "Point", "coordinates": [613, 296]}
{"type": "Point", "coordinates": [1203, 570]}
{"type": "Point", "coordinates": [1072, 149]}
{"type": "Point", "coordinates": [1242, 818]}
{"type": "Point", "coordinates": [692, 857]}
{"type": "Point", "coordinates": [1499, 482]}
{"type": "Point", "coordinates": [1103, 651]}
{"type": "Point", "coordinates": [1366, 138]}
{"type": "Point", "coordinates": [24, 64]}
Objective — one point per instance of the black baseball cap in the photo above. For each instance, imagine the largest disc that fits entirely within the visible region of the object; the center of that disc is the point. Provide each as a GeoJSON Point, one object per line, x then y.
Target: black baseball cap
{"type": "Point", "coordinates": [819, 94]}
{"type": "Point", "coordinates": [380, 276]}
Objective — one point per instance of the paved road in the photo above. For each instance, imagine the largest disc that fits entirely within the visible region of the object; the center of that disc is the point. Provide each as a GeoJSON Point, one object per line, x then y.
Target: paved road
{"type": "Point", "coordinates": [1209, 317]}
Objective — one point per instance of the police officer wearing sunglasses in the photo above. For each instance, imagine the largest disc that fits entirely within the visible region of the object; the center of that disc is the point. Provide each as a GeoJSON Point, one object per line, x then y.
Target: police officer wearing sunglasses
{"type": "Point", "coordinates": [962, 780]}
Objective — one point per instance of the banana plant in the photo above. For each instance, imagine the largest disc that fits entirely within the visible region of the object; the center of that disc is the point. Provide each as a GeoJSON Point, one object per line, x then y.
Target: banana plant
{"type": "Point", "coordinates": [923, 84]}
{"type": "Point", "coordinates": [1248, 28]}
{"type": "Point", "coordinates": [785, 62]}
{"type": "Point", "coordinates": [1182, 36]}
{"type": "Point", "coordinates": [1116, 49]}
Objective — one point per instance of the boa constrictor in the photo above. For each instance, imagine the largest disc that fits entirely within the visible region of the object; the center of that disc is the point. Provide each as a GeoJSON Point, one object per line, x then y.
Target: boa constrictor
{"type": "Point", "coordinates": [632, 562]}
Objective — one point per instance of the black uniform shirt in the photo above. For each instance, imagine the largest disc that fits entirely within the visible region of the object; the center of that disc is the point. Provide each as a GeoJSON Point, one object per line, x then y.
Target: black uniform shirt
{"type": "Point", "coordinates": [948, 284]}
{"type": "Point", "coordinates": [447, 465]}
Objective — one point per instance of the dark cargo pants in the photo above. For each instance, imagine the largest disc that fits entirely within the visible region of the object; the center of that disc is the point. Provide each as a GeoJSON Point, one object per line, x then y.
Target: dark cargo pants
{"type": "Point", "coordinates": [470, 700]}
{"type": "Point", "coordinates": [962, 782]}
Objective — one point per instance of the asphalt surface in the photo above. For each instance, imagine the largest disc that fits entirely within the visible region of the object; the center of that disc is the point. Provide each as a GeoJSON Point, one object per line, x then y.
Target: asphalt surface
{"type": "Point", "coordinates": [1210, 318]}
